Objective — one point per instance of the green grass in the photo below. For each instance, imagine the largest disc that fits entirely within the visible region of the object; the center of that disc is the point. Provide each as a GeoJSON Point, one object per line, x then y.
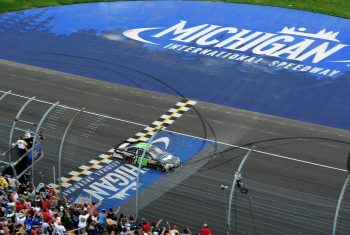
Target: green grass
{"type": "Point", "coordinates": [14, 5]}
{"type": "Point", "coordinates": [339, 8]}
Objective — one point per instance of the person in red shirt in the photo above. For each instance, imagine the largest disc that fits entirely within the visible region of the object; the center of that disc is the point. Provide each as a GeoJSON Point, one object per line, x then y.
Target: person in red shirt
{"type": "Point", "coordinates": [51, 190]}
{"type": "Point", "coordinates": [205, 230]}
{"type": "Point", "coordinates": [46, 215]}
{"type": "Point", "coordinates": [145, 225]}
{"type": "Point", "coordinates": [19, 205]}
{"type": "Point", "coordinates": [45, 202]}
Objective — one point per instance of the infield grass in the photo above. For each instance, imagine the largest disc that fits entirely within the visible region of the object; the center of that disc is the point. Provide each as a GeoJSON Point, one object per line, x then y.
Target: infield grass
{"type": "Point", "coordinates": [339, 8]}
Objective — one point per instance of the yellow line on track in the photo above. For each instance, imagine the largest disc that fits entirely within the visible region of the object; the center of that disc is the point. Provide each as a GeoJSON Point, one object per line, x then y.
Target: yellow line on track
{"type": "Point", "coordinates": [170, 116]}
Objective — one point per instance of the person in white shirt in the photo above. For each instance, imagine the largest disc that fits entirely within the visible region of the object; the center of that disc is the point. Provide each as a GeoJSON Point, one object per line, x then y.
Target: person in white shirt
{"type": "Point", "coordinates": [20, 218]}
{"type": "Point", "coordinates": [52, 213]}
{"type": "Point", "coordinates": [44, 227]}
{"type": "Point", "coordinates": [36, 209]}
{"type": "Point", "coordinates": [56, 219]}
{"type": "Point", "coordinates": [22, 146]}
{"type": "Point", "coordinates": [83, 219]}
{"type": "Point", "coordinates": [14, 195]}
{"type": "Point", "coordinates": [60, 229]}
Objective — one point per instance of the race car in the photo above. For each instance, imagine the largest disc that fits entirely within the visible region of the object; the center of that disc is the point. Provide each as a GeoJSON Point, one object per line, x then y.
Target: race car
{"type": "Point", "coordinates": [130, 151]}
{"type": "Point", "coordinates": [154, 157]}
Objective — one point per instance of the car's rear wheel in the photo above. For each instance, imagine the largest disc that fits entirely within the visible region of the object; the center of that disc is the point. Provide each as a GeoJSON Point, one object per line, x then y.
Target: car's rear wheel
{"type": "Point", "coordinates": [127, 160]}
{"type": "Point", "coordinates": [161, 168]}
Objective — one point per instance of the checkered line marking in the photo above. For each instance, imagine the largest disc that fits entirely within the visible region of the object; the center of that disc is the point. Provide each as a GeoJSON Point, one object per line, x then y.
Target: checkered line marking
{"type": "Point", "coordinates": [104, 159]}
{"type": "Point", "coordinates": [164, 121]}
{"type": "Point", "coordinates": [86, 169]}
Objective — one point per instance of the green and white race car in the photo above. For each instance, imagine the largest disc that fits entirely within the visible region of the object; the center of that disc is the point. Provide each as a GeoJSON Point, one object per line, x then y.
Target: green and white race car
{"type": "Point", "coordinates": [154, 157]}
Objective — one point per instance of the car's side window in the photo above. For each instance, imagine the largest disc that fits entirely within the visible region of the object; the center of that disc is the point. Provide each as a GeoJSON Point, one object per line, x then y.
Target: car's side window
{"type": "Point", "coordinates": [140, 152]}
{"type": "Point", "coordinates": [132, 150]}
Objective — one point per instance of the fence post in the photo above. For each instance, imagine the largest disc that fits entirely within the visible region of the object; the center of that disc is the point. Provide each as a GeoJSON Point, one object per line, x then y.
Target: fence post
{"type": "Point", "coordinates": [61, 148]}
{"type": "Point", "coordinates": [5, 94]}
{"type": "Point", "coordinates": [341, 196]}
{"type": "Point", "coordinates": [16, 120]}
{"type": "Point", "coordinates": [36, 136]}
{"type": "Point", "coordinates": [233, 188]}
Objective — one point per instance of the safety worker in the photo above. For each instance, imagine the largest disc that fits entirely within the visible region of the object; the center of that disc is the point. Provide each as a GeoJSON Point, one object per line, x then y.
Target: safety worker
{"type": "Point", "coordinates": [22, 146]}
{"type": "Point", "coordinates": [28, 137]}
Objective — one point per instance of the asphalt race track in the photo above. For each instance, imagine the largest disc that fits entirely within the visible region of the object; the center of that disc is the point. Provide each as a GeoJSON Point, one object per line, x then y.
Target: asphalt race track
{"type": "Point", "coordinates": [286, 196]}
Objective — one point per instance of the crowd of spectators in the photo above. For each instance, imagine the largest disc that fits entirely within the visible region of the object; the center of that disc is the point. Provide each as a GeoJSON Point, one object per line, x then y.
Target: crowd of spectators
{"type": "Point", "coordinates": [29, 210]}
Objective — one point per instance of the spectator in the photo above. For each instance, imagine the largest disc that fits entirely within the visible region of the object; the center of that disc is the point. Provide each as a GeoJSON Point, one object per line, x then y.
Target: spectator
{"type": "Point", "coordinates": [27, 204]}
{"type": "Point", "coordinates": [14, 194]}
{"type": "Point", "coordinates": [3, 199]}
{"type": "Point", "coordinates": [92, 221]}
{"type": "Point", "coordinates": [205, 230]}
{"type": "Point", "coordinates": [36, 208]}
{"type": "Point", "coordinates": [187, 231]}
{"type": "Point", "coordinates": [22, 188]}
{"type": "Point", "coordinates": [3, 182]}
{"type": "Point", "coordinates": [99, 229]}
{"type": "Point", "coordinates": [10, 226]}
{"type": "Point", "coordinates": [145, 225]}
{"type": "Point", "coordinates": [174, 230]}
{"type": "Point", "coordinates": [113, 214]}
{"type": "Point", "coordinates": [46, 215]}
{"type": "Point", "coordinates": [40, 188]}
{"type": "Point", "coordinates": [56, 218]}
{"type": "Point", "coordinates": [44, 227]}
{"type": "Point", "coordinates": [102, 218]}
{"type": "Point", "coordinates": [155, 230]}
{"type": "Point", "coordinates": [10, 210]}
{"type": "Point", "coordinates": [45, 201]}
{"type": "Point", "coordinates": [83, 219]}
{"type": "Point", "coordinates": [51, 190]}
{"type": "Point", "coordinates": [123, 232]}
{"type": "Point", "coordinates": [6, 230]}
{"type": "Point", "coordinates": [20, 218]}
{"type": "Point", "coordinates": [59, 229]}
{"type": "Point", "coordinates": [21, 230]}
{"type": "Point", "coordinates": [29, 222]}
{"type": "Point", "coordinates": [19, 205]}
{"type": "Point", "coordinates": [132, 221]}
{"type": "Point", "coordinates": [111, 225]}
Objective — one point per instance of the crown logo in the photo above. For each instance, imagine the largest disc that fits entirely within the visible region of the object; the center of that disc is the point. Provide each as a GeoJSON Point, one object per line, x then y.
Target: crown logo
{"type": "Point", "coordinates": [322, 34]}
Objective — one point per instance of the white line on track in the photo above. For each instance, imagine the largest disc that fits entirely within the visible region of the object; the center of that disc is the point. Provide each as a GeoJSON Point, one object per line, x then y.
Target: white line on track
{"type": "Point", "coordinates": [196, 137]}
